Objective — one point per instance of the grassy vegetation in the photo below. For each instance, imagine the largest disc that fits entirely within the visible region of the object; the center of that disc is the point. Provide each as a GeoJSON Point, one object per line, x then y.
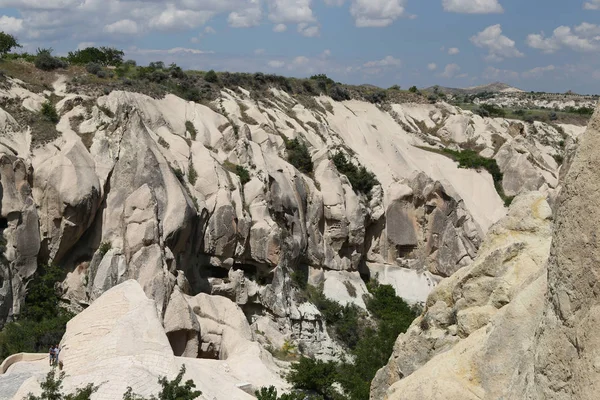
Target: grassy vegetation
{"type": "Point", "coordinates": [575, 116]}
{"type": "Point", "coordinates": [360, 178]}
{"type": "Point", "coordinates": [239, 170]}
{"type": "Point", "coordinates": [470, 159]}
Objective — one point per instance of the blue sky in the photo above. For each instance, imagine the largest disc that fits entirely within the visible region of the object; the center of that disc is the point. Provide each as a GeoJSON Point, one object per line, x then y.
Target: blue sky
{"type": "Point", "coordinates": [545, 45]}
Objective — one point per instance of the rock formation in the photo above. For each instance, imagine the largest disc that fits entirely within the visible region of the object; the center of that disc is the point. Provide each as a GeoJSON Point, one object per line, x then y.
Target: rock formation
{"type": "Point", "coordinates": [519, 322]}
{"type": "Point", "coordinates": [190, 199]}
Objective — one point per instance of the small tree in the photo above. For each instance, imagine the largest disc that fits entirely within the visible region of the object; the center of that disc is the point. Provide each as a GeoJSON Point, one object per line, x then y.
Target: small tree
{"type": "Point", "coordinates": [52, 389]}
{"type": "Point", "coordinates": [171, 390]}
{"type": "Point", "coordinates": [7, 43]}
{"type": "Point", "coordinates": [413, 89]}
{"type": "Point", "coordinates": [211, 76]}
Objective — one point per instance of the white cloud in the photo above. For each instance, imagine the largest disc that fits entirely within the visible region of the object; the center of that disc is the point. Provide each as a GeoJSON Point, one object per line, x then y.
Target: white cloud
{"type": "Point", "coordinates": [280, 28]}
{"type": "Point", "coordinates": [592, 5]}
{"type": "Point", "coordinates": [326, 53]}
{"type": "Point", "coordinates": [176, 19]}
{"type": "Point", "coordinates": [583, 38]}
{"type": "Point", "coordinates": [538, 71]}
{"type": "Point", "coordinates": [210, 30]}
{"type": "Point", "coordinates": [450, 71]}
{"type": "Point", "coordinates": [432, 66]}
{"type": "Point", "coordinates": [499, 46]}
{"type": "Point", "coordinates": [246, 17]}
{"type": "Point", "coordinates": [388, 61]}
{"type": "Point", "coordinates": [175, 50]}
{"type": "Point", "coordinates": [495, 74]}
{"type": "Point", "coordinates": [290, 11]}
{"type": "Point", "coordinates": [300, 60]}
{"type": "Point", "coordinates": [376, 13]}
{"type": "Point", "coordinates": [11, 25]}
{"type": "Point", "coordinates": [123, 27]}
{"type": "Point", "coordinates": [276, 64]}
{"type": "Point", "coordinates": [453, 51]}
{"type": "Point", "coordinates": [259, 51]}
{"type": "Point", "coordinates": [309, 31]}
{"type": "Point", "coordinates": [473, 6]}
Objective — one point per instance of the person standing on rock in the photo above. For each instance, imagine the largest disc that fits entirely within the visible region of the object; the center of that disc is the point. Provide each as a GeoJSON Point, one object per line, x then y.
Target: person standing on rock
{"type": "Point", "coordinates": [51, 355]}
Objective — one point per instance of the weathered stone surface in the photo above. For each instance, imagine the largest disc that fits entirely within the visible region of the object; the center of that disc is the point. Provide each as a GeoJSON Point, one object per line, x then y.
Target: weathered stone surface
{"type": "Point", "coordinates": [465, 314]}
{"type": "Point", "coordinates": [566, 361]}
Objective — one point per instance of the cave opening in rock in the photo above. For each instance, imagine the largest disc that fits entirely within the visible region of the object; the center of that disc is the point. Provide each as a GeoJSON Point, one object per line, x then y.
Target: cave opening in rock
{"type": "Point", "coordinates": [184, 343]}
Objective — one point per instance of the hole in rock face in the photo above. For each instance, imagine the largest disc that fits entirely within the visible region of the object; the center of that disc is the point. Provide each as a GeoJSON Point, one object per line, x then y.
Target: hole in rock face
{"type": "Point", "coordinates": [184, 343]}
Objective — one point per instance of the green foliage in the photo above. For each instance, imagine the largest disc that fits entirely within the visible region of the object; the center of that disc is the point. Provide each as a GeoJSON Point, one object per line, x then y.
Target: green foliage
{"type": "Point", "coordinates": [42, 321]}
{"type": "Point", "coordinates": [171, 390]}
{"type": "Point", "coordinates": [299, 156]}
{"type": "Point", "coordinates": [104, 248]}
{"type": "Point", "coordinates": [360, 178]}
{"type": "Point", "coordinates": [243, 173]}
{"type": "Point", "coordinates": [189, 126]}
{"type": "Point", "coordinates": [179, 175]}
{"type": "Point", "coordinates": [580, 111]}
{"type": "Point", "coordinates": [104, 56]}
{"type": "Point", "coordinates": [93, 68]}
{"type": "Point", "coordinates": [490, 110]}
{"type": "Point", "coordinates": [270, 393]}
{"type": "Point", "coordinates": [413, 89]}
{"type": "Point", "coordinates": [7, 43]}
{"type": "Point", "coordinates": [192, 174]}
{"type": "Point", "coordinates": [371, 346]}
{"type": "Point", "coordinates": [46, 62]}
{"type": "Point", "coordinates": [52, 389]}
{"type": "Point", "coordinates": [339, 93]}
{"type": "Point", "coordinates": [49, 112]}
{"type": "Point", "coordinates": [314, 376]}
{"type": "Point", "coordinates": [211, 76]}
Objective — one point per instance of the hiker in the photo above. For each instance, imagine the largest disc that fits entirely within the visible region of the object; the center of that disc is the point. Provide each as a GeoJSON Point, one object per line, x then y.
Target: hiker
{"type": "Point", "coordinates": [51, 355]}
{"type": "Point", "coordinates": [56, 353]}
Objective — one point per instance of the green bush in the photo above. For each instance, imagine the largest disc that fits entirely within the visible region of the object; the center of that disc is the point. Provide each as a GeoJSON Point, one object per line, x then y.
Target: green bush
{"type": "Point", "coordinates": [362, 181]}
{"type": "Point", "coordinates": [243, 173]}
{"type": "Point", "coordinates": [104, 56]}
{"type": "Point", "coordinates": [170, 390]}
{"type": "Point", "coordinates": [211, 76]}
{"type": "Point", "coordinates": [299, 156]}
{"type": "Point", "coordinates": [413, 89]}
{"type": "Point", "coordinates": [46, 62]}
{"type": "Point", "coordinates": [52, 389]}
{"type": "Point", "coordinates": [314, 376]}
{"type": "Point", "coordinates": [42, 321]}
{"type": "Point", "coordinates": [93, 68]}
{"type": "Point", "coordinates": [7, 43]}
{"type": "Point", "coordinates": [104, 248]}
{"type": "Point", "coordinates": [192, 174]}
{"type": "Point", "coordinates": [189, 126]}
{"type": "Point", "coordinates": [49, 112]}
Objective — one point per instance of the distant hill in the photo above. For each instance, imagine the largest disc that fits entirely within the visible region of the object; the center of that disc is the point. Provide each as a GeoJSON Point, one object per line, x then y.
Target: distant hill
{"type": "Point", "coordinates": [496, 87]}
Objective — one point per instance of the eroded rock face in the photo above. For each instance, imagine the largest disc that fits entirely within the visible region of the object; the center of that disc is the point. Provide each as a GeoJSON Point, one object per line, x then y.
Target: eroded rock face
{"type": "Point", "coordinates": [19, 234]}
{"type": "Point", "coordinates": [566, 365]}
{"type": "Point", "coordinates": [151, 189]}
{"type": "Point", "coordinates": [469, 314]}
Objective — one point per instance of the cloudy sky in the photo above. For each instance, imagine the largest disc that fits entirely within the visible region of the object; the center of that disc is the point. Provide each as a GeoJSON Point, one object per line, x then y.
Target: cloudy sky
{"type": "Point", "coordinates": [550, 45]}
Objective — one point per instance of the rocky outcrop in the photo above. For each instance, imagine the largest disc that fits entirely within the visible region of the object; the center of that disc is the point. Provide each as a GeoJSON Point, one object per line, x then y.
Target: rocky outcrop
{"type": "Point", "coordinates": [566, 365]}
{"type": "Point", "coordinates": [469, 314]}
{"type": "Point", "coordinates": [119, 342]}
{"type": "Point", "coordinates": [522, 328]}
{"type": "Point", "coordinates": [189, 199]}
{"type": "Point", "coordinates": [19, 234]}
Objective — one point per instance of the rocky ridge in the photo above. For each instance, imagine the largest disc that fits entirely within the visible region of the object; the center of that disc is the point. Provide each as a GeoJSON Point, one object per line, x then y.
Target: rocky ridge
{"type": "Point", "coordinates": [132, 187]}
{"type": "Point", "coordinates": [517, 323]}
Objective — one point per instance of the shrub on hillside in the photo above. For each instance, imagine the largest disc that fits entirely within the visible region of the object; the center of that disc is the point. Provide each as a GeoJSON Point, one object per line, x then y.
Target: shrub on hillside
{"type": "Point", "coordinates": [413, 89]}
{"type": "Point", "coordinates": [299, 156]}
{"type": "Point", "coordinates": [52, 389]}
{"type": "Point", "coordinates": [49, 112]}
{"type": "Point", "coordinates": [360, 178]}
{"type": "Point", "coordinates": [243, 173]}
{"type": "Point", "coordinates": [42, 321]}
{"type": "Point", "coordinates": [104, 56]}
{"type": "Point", "coordinates": [7, 43]}
{"type": "Point", "coordinates": [339, 93]}
{"type": "Point", "coordinates": [46, 62]}
{"type": "Point", "coordinates": [211, 76]}
{"type": "Point", "coordinates": [93, 68]}
{"type": "Point", "coordinates": [170, 390]}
